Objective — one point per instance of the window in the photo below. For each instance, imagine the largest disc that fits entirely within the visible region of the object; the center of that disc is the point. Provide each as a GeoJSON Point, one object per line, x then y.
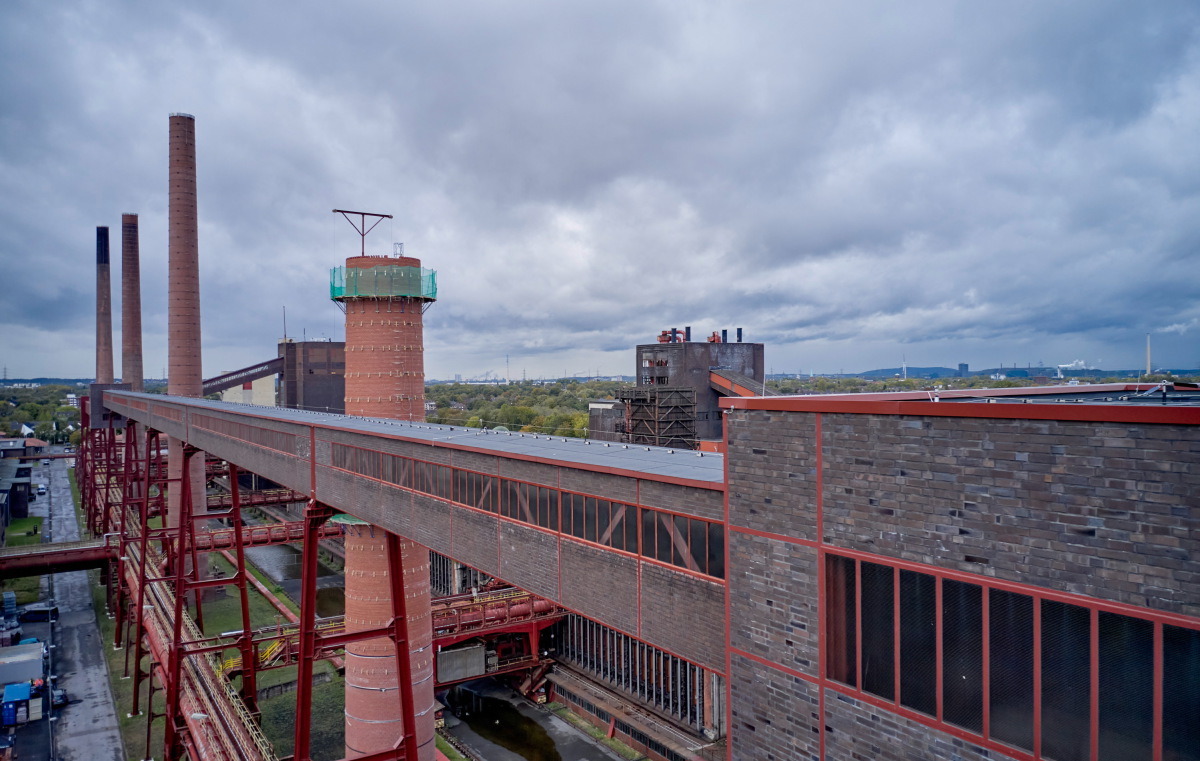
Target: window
{"type": "Point", "coordinates": [942, 629]}
{"type": "Point", "coordinates": [679, 540]}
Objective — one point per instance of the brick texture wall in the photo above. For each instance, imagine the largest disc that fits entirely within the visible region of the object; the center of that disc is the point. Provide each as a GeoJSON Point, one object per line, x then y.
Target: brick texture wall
{"type": "Point", "coordinates": [773, 600]}
{"type": "Point", "coordinates": [1098, 509]}
{"type": "Point", "coordinates": [775, 716]}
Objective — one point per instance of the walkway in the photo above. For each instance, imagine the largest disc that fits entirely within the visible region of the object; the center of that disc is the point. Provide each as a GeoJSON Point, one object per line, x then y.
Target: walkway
{"type": "Point", "coordinates": [86, 730]}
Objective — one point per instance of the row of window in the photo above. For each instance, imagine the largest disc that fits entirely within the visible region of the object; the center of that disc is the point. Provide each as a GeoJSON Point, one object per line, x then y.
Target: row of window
{"type": "Point", "coordinates": [899, 661]}
{"type": "Point", "coordinates": [690, 543]}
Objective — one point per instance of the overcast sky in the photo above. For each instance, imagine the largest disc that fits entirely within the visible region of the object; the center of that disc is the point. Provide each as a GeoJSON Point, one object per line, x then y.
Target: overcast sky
{"type": "Point", "coordinates": [852, 183]}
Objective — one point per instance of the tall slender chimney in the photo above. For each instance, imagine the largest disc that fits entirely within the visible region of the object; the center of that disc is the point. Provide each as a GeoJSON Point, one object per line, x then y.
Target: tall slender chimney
{"type": "Point", "coordinates": [104, 347]}
{"type": "Point", "coordinates": [183, 301]}
{"type": "Point", "coordinates": [183, 285]}
{"type": "Point", "coordinates": [131, 304]}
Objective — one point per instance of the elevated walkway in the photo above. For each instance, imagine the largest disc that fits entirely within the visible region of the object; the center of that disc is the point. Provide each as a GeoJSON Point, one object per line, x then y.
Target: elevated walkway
{"type": "Point", "coordinates": [729, 383]}
{"type": "Point", "coordinates": [245, 375]}
{"type": "Point", "coordinates": [37, 559]}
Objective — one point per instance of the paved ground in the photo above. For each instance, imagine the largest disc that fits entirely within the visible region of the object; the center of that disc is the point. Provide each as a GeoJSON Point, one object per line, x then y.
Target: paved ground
{"type": "Point", "coordinates": [86, 730]}
{"type": "Point", "coordinates": [571, 743]}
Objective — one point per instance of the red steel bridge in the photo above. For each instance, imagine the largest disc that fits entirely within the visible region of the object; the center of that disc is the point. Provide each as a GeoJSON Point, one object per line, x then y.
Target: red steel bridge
{"type": "Point", "coordinates": [629, 537]}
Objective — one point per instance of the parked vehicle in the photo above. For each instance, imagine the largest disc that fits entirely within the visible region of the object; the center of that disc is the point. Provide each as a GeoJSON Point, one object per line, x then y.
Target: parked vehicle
{"type": "Point", "coordinates": [40, 613]}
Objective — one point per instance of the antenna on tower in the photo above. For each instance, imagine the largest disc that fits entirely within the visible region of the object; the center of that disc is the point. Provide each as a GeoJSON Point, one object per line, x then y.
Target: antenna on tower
{"type": "Point", "coordinates": [361, 228]}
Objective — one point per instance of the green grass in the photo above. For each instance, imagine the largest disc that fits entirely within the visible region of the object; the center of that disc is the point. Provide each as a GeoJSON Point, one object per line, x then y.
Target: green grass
{"type": "Point", "coordinates": [20, 533]}
{"type": "Point", "coordinates": [449, 750]}
{"type": "Point", "coordinates": [27, 588]}
{"type": "Point", "coordinates": [328, 723]}
{"type": "Point", "coordinates": [24, 531]}
{"type": "Point", "coordinates": [221, 614]}
{"type": "Point", "coordinates": [563, 712]}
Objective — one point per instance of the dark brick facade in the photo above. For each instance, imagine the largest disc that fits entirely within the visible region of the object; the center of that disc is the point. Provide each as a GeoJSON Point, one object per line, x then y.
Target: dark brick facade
{"type": "Point", "coordinates": [773, 600]}
{"type": "Point", "coordinates": [1082, 507]}
{"type": "Point", "coordinates": [773, 477]}
{"type": "Point", "coordinates": [858, 730]}
{"type": "Point", "coordinates": [684, 615]}
{"type": "Point", "coordinates": [775, 715]}
{"type": "Point", "coordinates": [1100, 510]}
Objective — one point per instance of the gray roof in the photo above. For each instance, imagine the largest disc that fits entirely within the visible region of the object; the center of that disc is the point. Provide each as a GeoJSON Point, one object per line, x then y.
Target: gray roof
{"type": "Point", "coordinates": [589, 453]}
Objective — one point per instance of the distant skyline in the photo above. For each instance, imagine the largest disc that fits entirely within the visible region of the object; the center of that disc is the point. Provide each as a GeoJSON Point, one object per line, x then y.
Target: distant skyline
{"type": "Point", "coordinates": [851, 183]}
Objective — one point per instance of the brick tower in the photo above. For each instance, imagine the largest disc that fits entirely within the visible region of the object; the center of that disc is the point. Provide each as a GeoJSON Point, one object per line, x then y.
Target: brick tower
{"type": "Point", "coordinates": [184, 376]}
{"type": "Point", "coordinates": [131, 304]}
{"type": "Point", "coordinates": [384, 299]}
{"type": "Point", "coordinates": [104, 346]}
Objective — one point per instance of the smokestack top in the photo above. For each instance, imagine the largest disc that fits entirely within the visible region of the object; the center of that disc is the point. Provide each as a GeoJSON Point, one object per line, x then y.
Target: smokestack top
{"type": "Point", "coordinates": [183, 115]}
{"type": "Point", "coordinates": [101, 245]}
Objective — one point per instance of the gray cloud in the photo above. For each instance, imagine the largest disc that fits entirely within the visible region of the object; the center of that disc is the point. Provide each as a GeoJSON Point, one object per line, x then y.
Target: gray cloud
{"type": "Point", "coordinates": [977, 182]}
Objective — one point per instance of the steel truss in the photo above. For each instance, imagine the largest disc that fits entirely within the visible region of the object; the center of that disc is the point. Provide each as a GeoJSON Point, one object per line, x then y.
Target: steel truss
{"type": "Point", "coordinates": [156, 586]}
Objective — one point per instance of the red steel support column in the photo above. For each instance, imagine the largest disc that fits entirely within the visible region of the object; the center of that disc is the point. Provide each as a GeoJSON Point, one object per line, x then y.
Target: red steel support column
{"type": "Point", "coordinates": [245, 643]}
{"type": "Point", "coordinates": [374, 696]}
{"type": "Point", "coordinates": [315, 516]}
{"type": "Point", "coordinates": [174, 729]}
{"type": "Point", "coordinates": [152, 444]}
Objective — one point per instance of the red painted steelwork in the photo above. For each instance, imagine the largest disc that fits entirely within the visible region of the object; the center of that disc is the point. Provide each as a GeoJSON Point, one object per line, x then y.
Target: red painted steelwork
{"type": "Point", "coordinates": [462, 617]}
{"type": "Point", "coordinates": [37, 559]}
{"type": "Point", "coordinates": [256, 498]}
{"type": "Point", "coordinates": [922, 403]}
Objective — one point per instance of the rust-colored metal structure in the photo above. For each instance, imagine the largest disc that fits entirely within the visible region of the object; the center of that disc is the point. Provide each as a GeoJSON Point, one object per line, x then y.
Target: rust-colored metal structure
{"type": "Point", "coordinates": [131, 304]}
{"type": "Point", "coordinates": [384, 299]}
{"type": "Point", "coordinates": [104, 345]}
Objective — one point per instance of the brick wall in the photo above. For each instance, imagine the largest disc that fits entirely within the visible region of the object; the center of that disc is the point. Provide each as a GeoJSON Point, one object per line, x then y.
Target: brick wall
{"type": "Point", "coordinates": [775, 715]}
{"type": "Point", "coordinates": [773, 600]}
{"type": "Point", "coordinates": [1097, 509]}
{"type": "Point", "coordinates": [856, 729]}
{"type": "Point", "coordinates": [684, 615]}
{"type": "Point", "coordinates": [773, 472]}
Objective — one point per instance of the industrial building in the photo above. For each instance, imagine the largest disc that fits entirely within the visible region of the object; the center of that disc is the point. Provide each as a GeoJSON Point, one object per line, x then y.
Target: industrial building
{"type": "Point", "coordinates": [680, 383]}
{"type": "Point", "coordinates": [1007, 574]}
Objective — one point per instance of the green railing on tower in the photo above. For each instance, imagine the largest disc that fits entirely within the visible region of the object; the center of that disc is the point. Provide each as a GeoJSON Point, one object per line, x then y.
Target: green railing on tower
{"type": "Point", "coordinates": [388, 280]}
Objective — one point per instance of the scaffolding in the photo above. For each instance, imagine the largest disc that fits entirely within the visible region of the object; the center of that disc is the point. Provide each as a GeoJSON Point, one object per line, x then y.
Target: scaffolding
{"type": "Point", "coordinates": [384, 281]}
{"type": "Point", "coordinates": [663, 416]}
